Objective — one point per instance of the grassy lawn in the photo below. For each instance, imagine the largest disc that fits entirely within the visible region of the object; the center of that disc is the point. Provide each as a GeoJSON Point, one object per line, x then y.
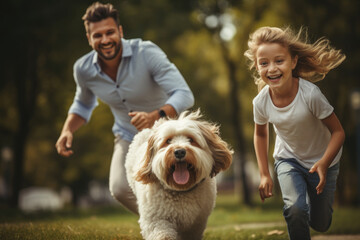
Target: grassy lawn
{"type": "Point", "coordinates": [229, 220]}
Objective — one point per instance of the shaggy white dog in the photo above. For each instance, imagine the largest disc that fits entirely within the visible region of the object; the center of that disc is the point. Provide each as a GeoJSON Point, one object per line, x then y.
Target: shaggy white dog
{"type": "Point", "coordinates": [171, 170]}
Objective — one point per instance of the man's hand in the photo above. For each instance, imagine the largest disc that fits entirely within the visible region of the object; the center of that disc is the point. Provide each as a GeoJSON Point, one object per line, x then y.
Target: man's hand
{"type": "Point", "coordinates": [142, 120]}
{"type": "Point", "coordinates": [64, 143]}
{"type": "Point", "coordinates": [265, 187]}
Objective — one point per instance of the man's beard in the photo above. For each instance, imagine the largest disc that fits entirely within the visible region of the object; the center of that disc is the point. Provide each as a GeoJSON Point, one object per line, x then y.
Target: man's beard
{"type": "Point", "coordinates": [109, 57]}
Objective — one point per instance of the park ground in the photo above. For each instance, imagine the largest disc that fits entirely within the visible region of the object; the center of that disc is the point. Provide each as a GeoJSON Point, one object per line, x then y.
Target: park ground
{"type": "Point", "coordinates": [337, 237]}
{"type": "Point", "coordinates": [229, 220]}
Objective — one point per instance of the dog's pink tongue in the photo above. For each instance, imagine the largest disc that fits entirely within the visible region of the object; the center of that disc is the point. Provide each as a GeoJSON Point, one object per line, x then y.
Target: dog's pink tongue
{"type": "Point", "coordinates": [181, 174]}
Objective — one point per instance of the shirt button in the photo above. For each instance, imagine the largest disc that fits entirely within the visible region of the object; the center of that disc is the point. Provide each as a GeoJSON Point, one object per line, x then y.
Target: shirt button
{"type": "Point", "coordinates": [124, 100]}
{"type": "Point", "coordinates": [117, 86]}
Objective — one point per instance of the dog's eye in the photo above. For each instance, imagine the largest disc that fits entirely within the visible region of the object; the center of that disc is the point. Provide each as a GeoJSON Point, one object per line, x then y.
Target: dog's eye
{"type": "Point", "coordinates": [168, 141]}
{"type": "Point", "coordinates": [191, 140]}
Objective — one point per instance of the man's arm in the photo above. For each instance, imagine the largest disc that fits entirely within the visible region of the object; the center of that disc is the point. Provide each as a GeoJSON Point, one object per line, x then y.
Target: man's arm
{"type": "Point", "coordinates": [169, 78]}
{"type": "Point", "coordinates": [72, 123]}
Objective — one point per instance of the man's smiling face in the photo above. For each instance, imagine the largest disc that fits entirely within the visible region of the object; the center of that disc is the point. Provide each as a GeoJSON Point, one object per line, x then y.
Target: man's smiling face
{"type": "Point", "coordinates": [105, 38]}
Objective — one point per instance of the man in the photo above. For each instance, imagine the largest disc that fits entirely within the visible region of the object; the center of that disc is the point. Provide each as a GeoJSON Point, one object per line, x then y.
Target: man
{"type": "Point", "coordinates": [134, 78]}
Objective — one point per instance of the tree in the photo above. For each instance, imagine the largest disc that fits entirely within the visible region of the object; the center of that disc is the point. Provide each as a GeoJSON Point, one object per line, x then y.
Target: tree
{"type": "Point", "coordinates": [31, 34]}
{"type": "Point", "coordinates": [38, 87]}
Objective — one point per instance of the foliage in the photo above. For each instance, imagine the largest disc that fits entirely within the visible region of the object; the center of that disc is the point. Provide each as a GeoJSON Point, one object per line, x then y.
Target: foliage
{"type": "Point", "coordinates": [55, 30]}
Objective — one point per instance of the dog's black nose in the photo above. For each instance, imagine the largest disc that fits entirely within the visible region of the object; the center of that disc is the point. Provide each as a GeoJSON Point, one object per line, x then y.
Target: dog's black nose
{"type": "Point", "coordinates": [180, 153]}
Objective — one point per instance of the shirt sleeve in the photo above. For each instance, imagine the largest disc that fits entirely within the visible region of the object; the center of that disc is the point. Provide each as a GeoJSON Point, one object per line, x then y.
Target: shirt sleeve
{"type": "Point", "coordinates": [259, 116]}
{"type": "Point", "coordinates": [319, 105]}
{"type": "Point", "coordinates": [84, 101]}
{"type": "Point", "coordinates": [169, 78]}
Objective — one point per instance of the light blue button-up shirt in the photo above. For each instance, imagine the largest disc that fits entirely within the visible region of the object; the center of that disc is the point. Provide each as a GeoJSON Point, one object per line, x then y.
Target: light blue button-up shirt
{"type": "Point", "coordinates": [146, 80]}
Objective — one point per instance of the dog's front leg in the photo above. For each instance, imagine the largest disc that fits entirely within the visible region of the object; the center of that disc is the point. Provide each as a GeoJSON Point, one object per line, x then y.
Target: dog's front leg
{"type": "Point", "coordinates": [157, 230]}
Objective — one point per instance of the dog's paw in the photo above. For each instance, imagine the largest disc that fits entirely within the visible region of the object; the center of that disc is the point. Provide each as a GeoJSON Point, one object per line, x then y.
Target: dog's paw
{"type": "Point", "coordinates": [168, 234]}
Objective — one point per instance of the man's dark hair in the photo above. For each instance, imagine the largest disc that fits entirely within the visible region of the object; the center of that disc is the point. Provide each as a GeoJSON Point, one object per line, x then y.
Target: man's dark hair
{"type": "Point", "coordinates": [97, 12]}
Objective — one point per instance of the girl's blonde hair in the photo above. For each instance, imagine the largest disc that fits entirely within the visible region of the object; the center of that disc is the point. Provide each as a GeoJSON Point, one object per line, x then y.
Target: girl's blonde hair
{"type": "Point", "coordinates": [314, 60]}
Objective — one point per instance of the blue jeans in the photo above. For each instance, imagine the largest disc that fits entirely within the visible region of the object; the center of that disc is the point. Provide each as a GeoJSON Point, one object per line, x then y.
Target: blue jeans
{"type": "Point", "coordinates": [302, 206]}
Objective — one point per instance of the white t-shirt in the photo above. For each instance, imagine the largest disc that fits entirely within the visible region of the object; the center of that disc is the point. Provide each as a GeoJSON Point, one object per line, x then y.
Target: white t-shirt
{"type": "Point", "coordinates": [300, 133]}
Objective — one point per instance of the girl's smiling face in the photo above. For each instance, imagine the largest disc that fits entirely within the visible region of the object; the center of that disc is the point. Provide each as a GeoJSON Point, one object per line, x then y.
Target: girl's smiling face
{"type": "Point", "coordinates": [274, 65]}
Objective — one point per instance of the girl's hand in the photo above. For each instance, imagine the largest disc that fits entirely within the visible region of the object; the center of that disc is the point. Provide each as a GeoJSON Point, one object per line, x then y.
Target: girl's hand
{"type": "Point", "coordinates": [321, 170]}
{"type": "Point", "coordinates": [265, 187]}
{"type": "Point", "coordinates": [336, 141]}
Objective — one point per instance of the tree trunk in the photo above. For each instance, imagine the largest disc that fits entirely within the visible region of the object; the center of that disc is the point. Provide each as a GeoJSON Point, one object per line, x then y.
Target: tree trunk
{"type": "Point", "coordinates": [237, 123]}
{"type": "Point", "coordinates": [26, 90]}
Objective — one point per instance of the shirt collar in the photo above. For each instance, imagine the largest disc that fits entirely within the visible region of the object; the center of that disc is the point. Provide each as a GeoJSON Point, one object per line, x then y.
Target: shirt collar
{"type": "Point", "coordinates": [127, 51]}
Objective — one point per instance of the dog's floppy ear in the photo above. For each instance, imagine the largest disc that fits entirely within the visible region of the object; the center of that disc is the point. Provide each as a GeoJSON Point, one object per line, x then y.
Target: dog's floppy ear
{"type": "Point", "coordinates": [145, 174]}
{"type": "Point", "coordinates": [221, 152]}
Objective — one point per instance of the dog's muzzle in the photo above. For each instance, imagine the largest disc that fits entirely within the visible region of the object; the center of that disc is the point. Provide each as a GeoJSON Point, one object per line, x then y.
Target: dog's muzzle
{"type": "Point", "coordinates": [180, 169]}
{"type": "Point", "coordinates": [180, 154]}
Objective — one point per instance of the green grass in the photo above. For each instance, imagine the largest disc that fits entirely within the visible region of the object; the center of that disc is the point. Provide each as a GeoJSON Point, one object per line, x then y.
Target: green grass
{"type": "Point", "coordinates": [229, 220]}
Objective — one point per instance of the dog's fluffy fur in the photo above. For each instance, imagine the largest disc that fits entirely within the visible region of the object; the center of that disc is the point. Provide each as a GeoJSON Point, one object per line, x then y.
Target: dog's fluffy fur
{"type": "Point", "coordinates": [171, 169]}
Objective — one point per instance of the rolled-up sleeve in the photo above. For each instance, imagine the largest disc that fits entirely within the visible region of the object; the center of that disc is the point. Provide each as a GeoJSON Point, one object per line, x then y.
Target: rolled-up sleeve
{"type": "Point", "coordinates": [84, 101]}
{"type": "Point", "coordinates": [181, 100]}
{"type": "Point", "coordinates": [169, 78]}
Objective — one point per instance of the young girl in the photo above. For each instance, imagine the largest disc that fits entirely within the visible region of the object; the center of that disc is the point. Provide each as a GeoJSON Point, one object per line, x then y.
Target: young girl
{"type": "Point", "coordinates": [309, 136]}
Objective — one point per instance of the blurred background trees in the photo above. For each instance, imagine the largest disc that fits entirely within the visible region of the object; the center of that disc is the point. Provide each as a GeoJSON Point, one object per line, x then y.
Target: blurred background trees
{"type": "Point", "coordinates": [206, 39]}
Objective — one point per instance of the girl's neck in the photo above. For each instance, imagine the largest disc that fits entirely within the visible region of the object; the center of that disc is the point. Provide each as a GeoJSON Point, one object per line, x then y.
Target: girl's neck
{"type": "Point", "coordinates": [284, 96]}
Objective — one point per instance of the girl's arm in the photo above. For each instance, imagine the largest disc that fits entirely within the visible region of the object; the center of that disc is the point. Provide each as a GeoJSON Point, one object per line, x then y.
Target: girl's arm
{"type": "Point", "coordinates": [336, 141]}
{"type": "Point", "coordinates": [261, 143]}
